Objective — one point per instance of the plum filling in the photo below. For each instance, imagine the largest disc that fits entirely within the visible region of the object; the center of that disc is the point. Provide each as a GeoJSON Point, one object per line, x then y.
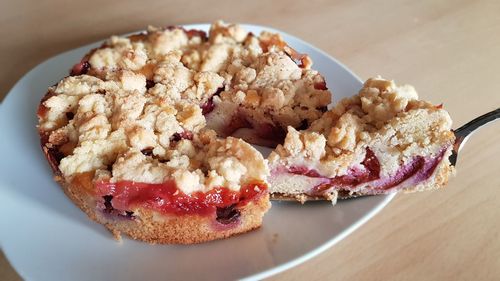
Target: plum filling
{"type": "Point", "coordinates": [369, 171]}
{"type": "Point", "coordinates": [80, 68]}
{"type": "Point", "coordinates": [367, 175]}
{"type": "Point", "coordinates": [108, 209]}
{"type": "Point", "coordinates": [208, 106]}
{"type": "Point", "coordinates": [184, 135]}
{"type": "Point", "coordinates": [150, 84]}
{"type": "Point", "coordinates": [70, 115]}
{"type": "Point", "coordinates": [301, 170]}
{"type": "Point", "coordinates": [55, 156]}
{"type": "Point", "coordinates": [227, 215]}
{"type": "Point", "coordinates": [238, 121]}
{"type": "Point", "coordinates": [320, 85]}
{"type": "Point", "coordinates": [147, 151]}
{"type": "Point", "coordinates": [221, 203]}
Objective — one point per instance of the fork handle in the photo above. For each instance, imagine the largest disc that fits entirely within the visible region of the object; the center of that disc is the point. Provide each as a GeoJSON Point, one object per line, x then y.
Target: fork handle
{"type": "Point", "coordinates": [462, 133]}
{"type": "Point", "coordinates": [478, 122]}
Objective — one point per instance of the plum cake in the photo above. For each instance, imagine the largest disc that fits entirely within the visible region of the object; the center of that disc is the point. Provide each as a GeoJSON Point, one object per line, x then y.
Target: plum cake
{"type": "Point", "coordinates": [150, 134]}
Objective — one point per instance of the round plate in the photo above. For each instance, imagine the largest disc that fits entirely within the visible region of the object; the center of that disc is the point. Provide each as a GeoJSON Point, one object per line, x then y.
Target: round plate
{"type": "Point", "coordinates": [46, 237]}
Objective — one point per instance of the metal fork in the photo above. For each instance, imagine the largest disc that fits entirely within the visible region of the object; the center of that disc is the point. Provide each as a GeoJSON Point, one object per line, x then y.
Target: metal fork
{"type": "Point", "coordinates": [462, 134]}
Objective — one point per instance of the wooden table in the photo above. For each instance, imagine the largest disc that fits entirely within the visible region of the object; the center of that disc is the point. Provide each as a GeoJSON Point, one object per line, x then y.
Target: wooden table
{"type": "Point", "coordinates": [450, 50]}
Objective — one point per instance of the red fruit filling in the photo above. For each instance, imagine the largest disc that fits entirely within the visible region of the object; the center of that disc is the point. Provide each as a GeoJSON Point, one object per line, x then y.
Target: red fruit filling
{"type": "Point", "coordinates": [52, 152]}
{"type": "Point", "coordinates": [194, 32]}
{"type": "Point", "coordinates": [166, 198]}
{"type": "Point", "coordinates": [227, 215]}
{"type": "Point", "coordinates": [184, 135]}
{"type": "Point", "coordinates": [150, 84]}
{"type": "Point", "coordinates": [208, 106]}
{"type": "Point", "coordinates": [369, 172]}
{"type": "Point", "coordinates": [301, 170]}
{"type": "Point", "coordinates": [320, 85]}
{"type": "Point", "coordinates": [108, 209]}
{"type": "Point", "coordinates": [417, 170]}
{"type": "Point", "coordinates": [70, 115]}
{"type": "Point", "coordinates": [147, 151]}
{"type": "Point", "coordinates": [80, 68]}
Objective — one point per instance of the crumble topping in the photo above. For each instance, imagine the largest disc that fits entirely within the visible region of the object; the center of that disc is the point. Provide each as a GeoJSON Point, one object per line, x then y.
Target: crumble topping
{"type": "Point", "coordinates": [260, 74]}
{"type": "Point", "coordinates": [164, 41]}
{"type": "Point", "coordinates": [79, 85]}
{"type": "Point", "coordinates": [91, 155]}
{"type": "Point", "coordinates": [134, 108]}
{"type": "Point", "coordinates": [274, 90]}
{"type": "Point", "coordinates": [112, 118]}
{"type": "Point", "coordinates": [195, 165]}
{"type": "Point", "coordinates": [384, 117]}
{"type": "Point", "coordinates": [119, 53]}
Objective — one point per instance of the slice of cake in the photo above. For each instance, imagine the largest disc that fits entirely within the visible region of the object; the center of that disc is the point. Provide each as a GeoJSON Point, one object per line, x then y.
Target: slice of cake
{"type": "Point", "coordinates": [380, 141]}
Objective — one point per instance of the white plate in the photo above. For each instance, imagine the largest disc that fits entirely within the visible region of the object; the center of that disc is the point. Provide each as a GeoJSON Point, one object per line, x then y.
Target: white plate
{"type": "Point", "coordinates": [46, 237]}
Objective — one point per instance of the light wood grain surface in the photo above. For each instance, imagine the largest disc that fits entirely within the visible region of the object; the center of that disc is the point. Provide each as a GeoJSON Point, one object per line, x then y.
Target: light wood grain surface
{"type": "Point", "coordinates": [449, 50]}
